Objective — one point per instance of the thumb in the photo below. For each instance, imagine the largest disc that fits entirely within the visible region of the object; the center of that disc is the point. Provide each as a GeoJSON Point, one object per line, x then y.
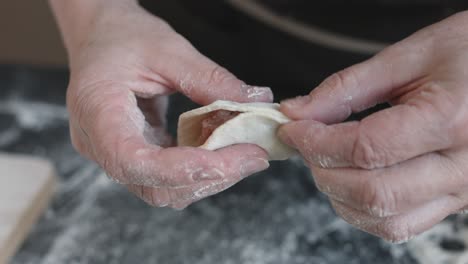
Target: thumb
{"type": "Point", "coordinates": [204, 81]}
{"type": "Point", "coordinates": [359, 87]}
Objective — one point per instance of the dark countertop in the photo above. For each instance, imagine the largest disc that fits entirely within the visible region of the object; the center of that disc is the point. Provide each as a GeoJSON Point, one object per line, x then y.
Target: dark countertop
{"type": "Point", "coordinates": [277, 216]}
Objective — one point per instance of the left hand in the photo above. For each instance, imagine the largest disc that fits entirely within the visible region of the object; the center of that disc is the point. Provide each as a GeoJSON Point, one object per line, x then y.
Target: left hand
{"type": "Point", "coordinates": [401, 170]}
{"type": "Point", "coordinates": [123, 66]}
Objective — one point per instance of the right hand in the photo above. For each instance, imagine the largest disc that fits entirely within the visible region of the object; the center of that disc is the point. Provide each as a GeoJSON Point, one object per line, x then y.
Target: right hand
{"type": "Point", "coordinates": [121, 73]}
{"type": "Point", "coordinates": [401, 170]}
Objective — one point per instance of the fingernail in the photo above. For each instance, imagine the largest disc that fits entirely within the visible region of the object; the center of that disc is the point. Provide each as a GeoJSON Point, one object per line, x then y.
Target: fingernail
{"type": "Point", "coordinates": [253, 165]}
{"type": "Point", "coordinates": [207, 174]}
{"type": "Point", "coordinates": [297, 102]}
{"type": "Point", "coordinates": [257, 93]}
{"type": "Point", "coordinates": [285, 138]}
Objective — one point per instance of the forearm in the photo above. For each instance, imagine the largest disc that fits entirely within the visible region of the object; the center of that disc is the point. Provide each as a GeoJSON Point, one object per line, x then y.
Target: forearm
{"type": "Point", "coordinates": [75, 18]}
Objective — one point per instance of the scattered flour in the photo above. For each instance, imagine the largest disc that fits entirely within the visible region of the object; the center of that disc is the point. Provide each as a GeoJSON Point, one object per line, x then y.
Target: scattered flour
{"type": "Point", "coordinates": [34, 115]}
{"type": "Point", "coordinates": [426, 248]}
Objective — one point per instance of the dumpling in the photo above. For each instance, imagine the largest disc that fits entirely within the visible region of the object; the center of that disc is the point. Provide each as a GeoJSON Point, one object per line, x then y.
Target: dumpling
{"type": "Point", "coordinates": [225, 123]}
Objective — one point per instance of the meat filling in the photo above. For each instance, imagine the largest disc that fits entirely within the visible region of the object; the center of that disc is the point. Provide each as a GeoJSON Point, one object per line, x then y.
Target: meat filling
{"type": "Point", "coordinates": [213, 121]}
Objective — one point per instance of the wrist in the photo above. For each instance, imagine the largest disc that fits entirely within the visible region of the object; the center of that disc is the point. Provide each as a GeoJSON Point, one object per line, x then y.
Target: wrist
{"type": "Point", "coordinates": [76, 18]}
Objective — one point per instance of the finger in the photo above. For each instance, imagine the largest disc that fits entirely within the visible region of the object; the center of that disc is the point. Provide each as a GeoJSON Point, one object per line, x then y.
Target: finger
{"type": "Point", "coordinates": [394, 190]}
{"type": "Point", "coordinates": [382, 139]}
{"type": "Point", "coordinates": [204, 81]}
{"type": "Point", "coordinates": [183, 167]}
{"type": "Point", "coordinates": [361, 86]}
{"type": "Point", "coordinates": [202, 191]}
{"type": "Point", "coordinates": [400, 228]}
{"type": "Point", "coordinates": [153, 196]}
{"type": "Point", "coordinates": [115, 128]}
{"type": "Point", "coordinates": [179, 197]}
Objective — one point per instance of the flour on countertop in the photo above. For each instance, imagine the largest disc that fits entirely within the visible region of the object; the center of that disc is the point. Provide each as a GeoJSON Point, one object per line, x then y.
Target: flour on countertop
{"type": "Point", "coordinates": [34, 115]}
{"type": "Point", "coordinates": [274, 217]}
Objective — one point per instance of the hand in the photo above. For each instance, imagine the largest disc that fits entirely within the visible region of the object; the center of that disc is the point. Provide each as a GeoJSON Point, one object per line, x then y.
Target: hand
{"type": "Point", "coordinates": [401, 170]}
{"type": "Point", "coordinates": [121, 74]}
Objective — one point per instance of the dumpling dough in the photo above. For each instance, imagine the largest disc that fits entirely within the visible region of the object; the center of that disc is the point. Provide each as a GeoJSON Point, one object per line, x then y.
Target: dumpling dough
{"type": "Point", "coordinates": [253, 123]}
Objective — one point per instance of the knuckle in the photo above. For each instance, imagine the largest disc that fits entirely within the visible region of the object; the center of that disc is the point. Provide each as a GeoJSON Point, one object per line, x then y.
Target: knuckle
{"type": "Point", "coordinates": [376, 198]}
{"type": "Point", "coordinates": [112, 168]}
{"type": "Point", "coordinates": [216, 76]}
{"type": "Point", "coordinates": [456, 171]}
{"type": "Point", "coordinates": [341, 79]}
{"type": "Point", "coordinates": [120, 162]}
{"type": "Point", "coordinates": [435, 100]}
{"type": "Point", "coordinates": [207, 78]}
{"type": "Point", "coordinates": [367, 154]}
{"type": "Point", "coordinates": [115, 160]}
{"type": "Point", "coordinates": [442, 108]}
{"type": "Point", "coordinates": [109, 162]}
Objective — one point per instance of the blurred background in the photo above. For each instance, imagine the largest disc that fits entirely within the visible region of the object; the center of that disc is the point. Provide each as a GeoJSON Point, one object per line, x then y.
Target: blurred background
{"type": "Point", "coordinates": [277, 216]}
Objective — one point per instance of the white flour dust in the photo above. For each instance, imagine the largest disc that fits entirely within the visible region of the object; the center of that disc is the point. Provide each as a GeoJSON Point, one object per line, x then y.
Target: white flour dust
{"type": "Point", "coordinates": [428, 248]}
{"type": "Point", "coordinates": [33, 115]}
{"type": "Point", "coordinates": [8, 136]}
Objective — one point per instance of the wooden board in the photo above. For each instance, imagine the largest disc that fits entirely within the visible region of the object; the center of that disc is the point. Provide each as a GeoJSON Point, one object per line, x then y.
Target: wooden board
{"type": "Point", "coordinates": [26, 186]}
